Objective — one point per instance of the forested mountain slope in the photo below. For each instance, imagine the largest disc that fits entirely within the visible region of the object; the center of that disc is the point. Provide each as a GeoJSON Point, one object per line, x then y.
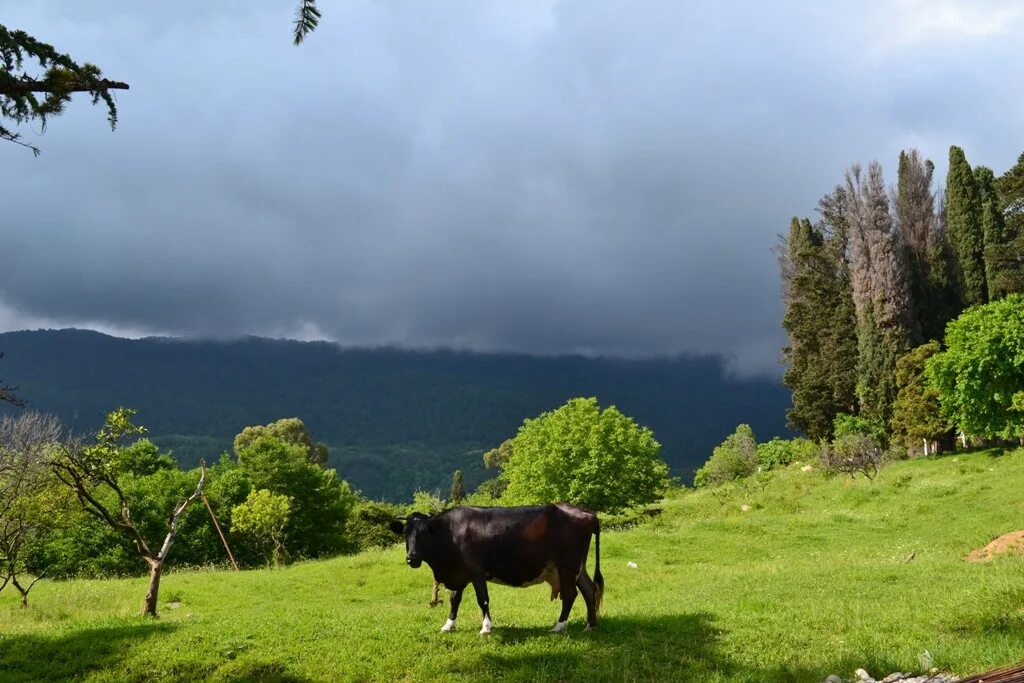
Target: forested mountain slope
{"type": "Point", "coordinates": [395, 420]}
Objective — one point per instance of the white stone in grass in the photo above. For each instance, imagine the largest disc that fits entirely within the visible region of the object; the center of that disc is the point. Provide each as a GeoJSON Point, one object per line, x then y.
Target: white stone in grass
{"type": "Point", "coordinates": [807, 468]}
{"type": "Point", "coordinates": [745, 508]}
{"type": "Point", "coordinates": [631, 565]}
{"type": "Point", "coordinates": [863, 675]}
{"type": "Point", "coordinates": [833, 679]}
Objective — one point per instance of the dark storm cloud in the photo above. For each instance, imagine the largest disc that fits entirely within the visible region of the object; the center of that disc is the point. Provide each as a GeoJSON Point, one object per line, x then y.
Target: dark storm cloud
{"type": "Point", "coordinates": [587, 176]}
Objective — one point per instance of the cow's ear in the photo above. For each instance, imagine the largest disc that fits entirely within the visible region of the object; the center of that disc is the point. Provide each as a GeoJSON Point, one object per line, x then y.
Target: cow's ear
{"type": "Point", "coordinates": [396, 526]}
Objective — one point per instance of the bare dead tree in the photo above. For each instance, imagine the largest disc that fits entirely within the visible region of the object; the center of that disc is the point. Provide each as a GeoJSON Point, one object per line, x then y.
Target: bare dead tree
{"type": "Point", "coordinates": [87, 472]}
{"type": "Point", "coordinates": [30, 501]}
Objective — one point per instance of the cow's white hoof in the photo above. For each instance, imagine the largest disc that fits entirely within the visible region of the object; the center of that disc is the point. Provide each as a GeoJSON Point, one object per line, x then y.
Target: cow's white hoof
{"type": "Point", "coordinates": [448, 627]}
{"type": "Point", "coordinates": [558, 627]}
{"type": "Point", "coordinates": [486, 628]}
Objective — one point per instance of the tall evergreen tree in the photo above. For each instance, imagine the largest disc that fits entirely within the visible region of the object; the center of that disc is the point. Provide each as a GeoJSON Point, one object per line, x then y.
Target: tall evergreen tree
{"type": "Point", "coordinates": [881, 293]}
{"type": "Point", "coordinates": [1006, 257]}
{"type": "Point", "coordinates": [915, 218]}
{"type": "Point", "coordinates": [963, 220]}
{"type": "Point", "coordinates": [991, 228]}
{"type": "Point", "coordinates": [821, 354]}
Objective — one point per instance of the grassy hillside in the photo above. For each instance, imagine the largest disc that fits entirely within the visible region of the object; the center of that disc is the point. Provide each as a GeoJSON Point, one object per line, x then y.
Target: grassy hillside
{"type": "Point", "coordinates": [819, 576]}
{"type": "Point", "coordinates": [395, 420]}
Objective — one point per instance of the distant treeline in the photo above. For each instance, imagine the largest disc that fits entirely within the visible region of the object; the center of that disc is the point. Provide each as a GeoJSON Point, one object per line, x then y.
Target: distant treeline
{"type": "Point", "coordinates": [395, 421]}
{"type": "Point", "coordinates": [870, 287]}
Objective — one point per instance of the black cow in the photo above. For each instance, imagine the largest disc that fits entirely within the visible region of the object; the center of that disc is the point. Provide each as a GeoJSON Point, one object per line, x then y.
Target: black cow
{"type": "Point", "coordinates": [520, 546]}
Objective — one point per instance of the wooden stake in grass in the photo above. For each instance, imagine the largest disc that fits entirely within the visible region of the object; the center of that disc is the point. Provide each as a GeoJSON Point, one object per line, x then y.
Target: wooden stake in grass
{"type": "Point", "coordinates": [220, 533]}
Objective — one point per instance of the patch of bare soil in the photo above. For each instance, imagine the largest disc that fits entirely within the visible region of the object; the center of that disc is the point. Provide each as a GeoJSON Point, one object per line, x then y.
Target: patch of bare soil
{"type": "Point", "coordinates": [1012, 543]}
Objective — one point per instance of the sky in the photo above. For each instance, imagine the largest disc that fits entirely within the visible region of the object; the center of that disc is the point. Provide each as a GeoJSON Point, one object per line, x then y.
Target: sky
{"type": "Point", "coordinates": [541, 176]}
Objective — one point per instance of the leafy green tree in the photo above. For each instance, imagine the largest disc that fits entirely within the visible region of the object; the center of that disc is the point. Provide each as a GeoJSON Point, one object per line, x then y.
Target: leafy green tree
{"type": "Point", "coordinates": [917, 420]}
{"type": "Point", "coordinates": [964, 224]}
{"type": "Point", "coordinates": [496, 458]}
{"type": "Point", "coordinates": [263, 517]}
{"type": "Point", "coordinates": [980, 375]}
{"type": "Point", "coordinates": [458, 492]}
{"type": "Point", "coordinates": [735, 458]}
{"type": "Point", "coordinates": [96, 474]}
{"type": "Point", "coordinates": [853, 453]}
{"type": "Point", "coordinates": [581, 454]}
{"type": "Point", "coordinates": [857, 424]}
{"type": "Point", "coordinates": [288, 430]}
{"type": "Point", "coordinates": [321, 502]}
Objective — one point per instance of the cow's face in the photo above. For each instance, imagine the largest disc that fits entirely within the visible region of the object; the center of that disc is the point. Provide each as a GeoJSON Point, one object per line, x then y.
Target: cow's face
{"type": "Point", "coordinates": [421, 541]}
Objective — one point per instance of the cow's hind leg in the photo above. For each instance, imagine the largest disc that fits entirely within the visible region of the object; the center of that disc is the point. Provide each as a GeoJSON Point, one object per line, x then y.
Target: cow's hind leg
{"type": "Point", "coordinates": [456, 600]}
{"type": "Point", "coordinates": [589, 591]}
{"type": "Point", "coordinates": [567, 583]}
{"type": "Point", "coordinates": [480, 586]}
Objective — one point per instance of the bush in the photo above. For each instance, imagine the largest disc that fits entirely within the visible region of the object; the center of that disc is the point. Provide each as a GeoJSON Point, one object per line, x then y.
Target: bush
{"type": "Point", "coordinates": [853, 453]}
{"type": "Point", "coordinates": [846, 425]}
{"type": "Point", "coordinates": [734, 459]}
{"type": "Point", "coordinates": [781, 452]}
{"type": "Point", "coordinates": [367, 526]}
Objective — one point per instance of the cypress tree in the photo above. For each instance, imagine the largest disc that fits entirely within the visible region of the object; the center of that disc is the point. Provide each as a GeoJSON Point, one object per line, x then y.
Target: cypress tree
{"type": "Point", "coordinates": [820, 354]}
{"type": "Point", "coordinates": [915, 217]}
{"type": "Point", "coordinates": [963, 220]}
{"type": "Point", "coordinates": [458, 492]}
{"type": "Point", "coordinates": [991, 229]}
{"type": "Point", "coordinates": [881, 293]}
{"type": "Point", "coordinates": [1007, 256]}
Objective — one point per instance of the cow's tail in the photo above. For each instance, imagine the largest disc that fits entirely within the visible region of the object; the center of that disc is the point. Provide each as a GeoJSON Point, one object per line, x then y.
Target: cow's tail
{"type": "Point", "coordinates": [598, 579]}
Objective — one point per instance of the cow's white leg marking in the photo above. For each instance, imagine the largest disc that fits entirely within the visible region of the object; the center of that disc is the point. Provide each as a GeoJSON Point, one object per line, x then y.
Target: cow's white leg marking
{"type": "Point", "coordinates": [448, 626]}
{"type": "Point", "coordinates": [558, 627]}
{"type": "Point", "coordinates": [486, 628]}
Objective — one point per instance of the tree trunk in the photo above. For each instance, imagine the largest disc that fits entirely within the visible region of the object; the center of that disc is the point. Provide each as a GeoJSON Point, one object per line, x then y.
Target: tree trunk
{"type": "Point", "coordinates": [156, 567]}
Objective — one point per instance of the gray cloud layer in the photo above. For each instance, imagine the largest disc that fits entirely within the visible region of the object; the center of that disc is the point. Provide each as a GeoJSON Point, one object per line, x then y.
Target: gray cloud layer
{"type": "Point", "coordinates": [536, 176]}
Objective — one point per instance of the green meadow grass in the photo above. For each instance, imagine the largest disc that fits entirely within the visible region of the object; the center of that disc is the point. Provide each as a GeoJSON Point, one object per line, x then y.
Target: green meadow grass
{"type": "Point", "coordinates": [816, 578]}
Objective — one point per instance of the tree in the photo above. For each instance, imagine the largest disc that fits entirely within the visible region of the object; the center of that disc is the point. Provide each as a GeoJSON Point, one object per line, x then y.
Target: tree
{"type": "Point", "coordinates": [921, 230]}
{"type": "Point", "coordinates": [263, 516]}
{"type": "Point", "coordinates": [980, 375]}
{"type": "Point", "coordinates": [458, 492]}
{"type": "Point", "coordinates": [61, 77]}
{"type": "Point", "coordinates": [288, 430]}
{"type": "Point", "coordinates": [496, 458]}
{"type": "Point", "coordinates": [25, 97]}
{"type": "Point", "coordinates": [1005, 259]}
{"type": "Point", "coordinates": [735, 458]}
{"type": "Point", "coordinates": [963, 218]}
{"type": "Point", "coordinates": [581, 454]}
{"type": "Point", "coordinates": [991, 228]}
{"type": "Point", "coordinates": [917, 418]}
{"type": "Point", "coordinates": [96, 475]}
{"type": "Point", "coordinates": [321, 502]}
{"type": "Point", "coordinates": [815, 296]}
{"type": "Point", "coordinates": [31, 502]}
{"type": "Point", "coordinates": [7, 394]}
{"type": "Point", "coordinates": [881, 293]}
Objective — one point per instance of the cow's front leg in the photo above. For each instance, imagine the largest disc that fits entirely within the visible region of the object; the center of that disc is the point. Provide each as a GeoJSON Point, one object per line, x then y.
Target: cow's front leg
{"type": "Point", "coordinates": [480, 586]}
{"type": "Point", "coordinates": [456, 599]}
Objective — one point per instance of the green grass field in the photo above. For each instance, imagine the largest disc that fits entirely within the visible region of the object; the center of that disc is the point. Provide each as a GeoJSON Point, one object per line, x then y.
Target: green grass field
{"type": "Point", "coordinates": [814, 579]}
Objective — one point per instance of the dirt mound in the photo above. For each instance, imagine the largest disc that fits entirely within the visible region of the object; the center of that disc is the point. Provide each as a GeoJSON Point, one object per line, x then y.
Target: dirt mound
{"type": "Point", "coordinates": [1012, 542]}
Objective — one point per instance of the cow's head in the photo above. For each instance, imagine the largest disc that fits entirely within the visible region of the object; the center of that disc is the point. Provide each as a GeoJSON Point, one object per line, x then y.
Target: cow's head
{"type": "Point", "coordinates": [421, 537]}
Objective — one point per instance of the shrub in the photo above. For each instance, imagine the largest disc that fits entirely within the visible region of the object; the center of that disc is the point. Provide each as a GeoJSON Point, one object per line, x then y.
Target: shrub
{"type": "Point", "coordinates": [734, 459]}
{"type": "Point", "coordinates": [367, 526]}
{"type": "Point", "coordinates": [781, 452]}
{"type": "Point", "coordinates": [853, 453]}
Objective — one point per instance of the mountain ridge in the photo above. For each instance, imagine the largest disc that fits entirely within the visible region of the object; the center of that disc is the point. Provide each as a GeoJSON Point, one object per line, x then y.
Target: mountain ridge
{"type": "Point", "coordinates": [395, 419]}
